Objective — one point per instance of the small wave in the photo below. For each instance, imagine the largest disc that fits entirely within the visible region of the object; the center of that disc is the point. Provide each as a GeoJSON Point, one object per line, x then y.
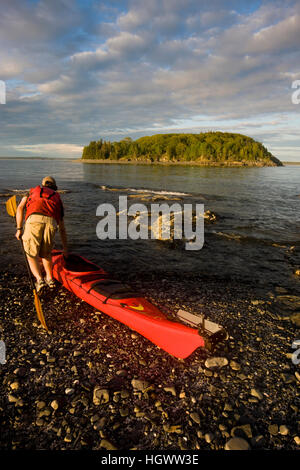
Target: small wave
{"type": "Point", "coordinates": [231, 236]}
{"type": "Point", "coordinates": [167, 193]}
{"type": "Point", "coordinates": [150, 191]}
{"type": "Point", "coordinates": [285, 244]}
{"type": "Point", "coordinates": [25, 191]}
{"type": "Point", "coordinates": [19, 190]}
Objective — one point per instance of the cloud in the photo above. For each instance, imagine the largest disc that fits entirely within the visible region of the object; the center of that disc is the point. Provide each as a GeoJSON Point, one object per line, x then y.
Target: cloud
{"type": "Point", "coordinates": [65, 150]}
{"type": "Point", "coordinates": [77, 71]}
{"type": "Point", "coordinates": [283, 36]}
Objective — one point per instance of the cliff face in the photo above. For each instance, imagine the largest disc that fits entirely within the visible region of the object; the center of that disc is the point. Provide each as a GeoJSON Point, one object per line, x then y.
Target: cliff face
{"type": "Point", "coordinates": [210, 148]}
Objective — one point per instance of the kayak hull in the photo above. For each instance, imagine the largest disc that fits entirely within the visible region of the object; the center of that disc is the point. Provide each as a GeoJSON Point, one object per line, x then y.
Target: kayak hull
{"type": "Point", "coordinates": [96, 287]}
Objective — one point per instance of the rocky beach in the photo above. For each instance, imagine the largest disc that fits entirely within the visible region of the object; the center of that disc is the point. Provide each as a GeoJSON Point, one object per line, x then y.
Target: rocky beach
{"type": "Point", "coordinates": [94, 384]}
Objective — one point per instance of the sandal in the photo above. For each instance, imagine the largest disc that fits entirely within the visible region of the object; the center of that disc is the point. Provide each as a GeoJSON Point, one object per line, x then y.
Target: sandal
{"type": "Point", "coordinates": [40, 284]}
{"type": "Point", "coordinates": [50, 283]}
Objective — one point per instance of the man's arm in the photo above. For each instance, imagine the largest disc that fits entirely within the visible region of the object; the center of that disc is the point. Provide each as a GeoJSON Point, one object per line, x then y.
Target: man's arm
{"type": "Point", "coordinates": [63, 236]}
{"type": "Point", "coordinates": [19, 217]}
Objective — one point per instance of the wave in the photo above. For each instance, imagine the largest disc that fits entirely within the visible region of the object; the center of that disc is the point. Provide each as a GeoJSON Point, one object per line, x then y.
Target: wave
{"type": "Point", "coordinates": [257, 240]}
{"type": "Point", "coordinates": [25, 191]}
{"type": "Point", "coordinates": [150, 191]}
{"type": "Point", "coordinates": [230, 236]}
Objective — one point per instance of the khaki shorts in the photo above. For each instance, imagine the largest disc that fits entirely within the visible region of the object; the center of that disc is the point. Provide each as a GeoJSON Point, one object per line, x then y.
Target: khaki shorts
{"type": "Point", "coordinates": [38, 236]}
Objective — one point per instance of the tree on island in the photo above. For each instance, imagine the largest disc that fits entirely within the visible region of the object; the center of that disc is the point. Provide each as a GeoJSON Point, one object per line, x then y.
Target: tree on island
{"type": "Point", "coordinates": [204, 148]}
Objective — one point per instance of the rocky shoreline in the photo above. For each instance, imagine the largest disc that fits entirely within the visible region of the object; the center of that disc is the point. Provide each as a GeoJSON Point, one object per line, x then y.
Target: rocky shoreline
{"type": "Point", "coordinates": [205, 163]}
{"type": "Point", "coordinates": [94, 384]}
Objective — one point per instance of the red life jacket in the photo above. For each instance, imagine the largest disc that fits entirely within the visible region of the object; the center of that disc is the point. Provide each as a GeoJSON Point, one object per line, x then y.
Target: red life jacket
{"type": "Point", "coordinates": [45, 201]}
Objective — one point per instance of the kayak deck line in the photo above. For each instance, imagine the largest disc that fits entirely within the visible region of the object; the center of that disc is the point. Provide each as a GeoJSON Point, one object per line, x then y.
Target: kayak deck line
{"type": "Point", "coordinates": [118, 300]}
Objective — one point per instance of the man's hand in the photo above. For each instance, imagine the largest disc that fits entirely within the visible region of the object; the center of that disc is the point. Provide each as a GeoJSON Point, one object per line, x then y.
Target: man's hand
{"type": "Point", "coordinates": [19, 234]}
{"type": "Point", "coordinates": [19, 217]}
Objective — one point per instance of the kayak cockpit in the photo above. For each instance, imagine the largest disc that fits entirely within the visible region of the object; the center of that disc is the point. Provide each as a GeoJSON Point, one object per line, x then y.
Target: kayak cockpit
{"type": "Point", "coordinates": [113, 289]}
{"type": "Point", "coordinates": [77, 264]}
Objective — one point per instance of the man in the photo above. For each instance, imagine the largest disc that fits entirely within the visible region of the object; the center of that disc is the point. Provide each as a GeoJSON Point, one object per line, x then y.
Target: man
{"type": "Point", "coordinates": [44, 213]}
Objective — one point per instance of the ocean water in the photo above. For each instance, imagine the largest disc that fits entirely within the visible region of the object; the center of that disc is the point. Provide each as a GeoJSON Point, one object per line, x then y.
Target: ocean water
{"type": "Point", "coordinates": [256, 236]}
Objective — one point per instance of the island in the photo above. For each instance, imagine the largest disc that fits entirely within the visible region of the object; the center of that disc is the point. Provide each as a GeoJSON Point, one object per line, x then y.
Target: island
{"type": "Point", "coordinates": [205, 149]}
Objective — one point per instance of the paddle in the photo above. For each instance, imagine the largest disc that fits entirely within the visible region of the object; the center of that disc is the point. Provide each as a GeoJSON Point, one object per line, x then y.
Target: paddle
{"type": "Point", "coordinates": [11, 208]}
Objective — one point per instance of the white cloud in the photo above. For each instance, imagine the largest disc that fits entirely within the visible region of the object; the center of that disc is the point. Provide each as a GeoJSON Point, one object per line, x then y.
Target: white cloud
{"type": "Point", "coordinates": [64, 150]}
{"type": "Point", "coordinates": [75, 76]}
{"type": "Point", "coordinates": [284, 35]}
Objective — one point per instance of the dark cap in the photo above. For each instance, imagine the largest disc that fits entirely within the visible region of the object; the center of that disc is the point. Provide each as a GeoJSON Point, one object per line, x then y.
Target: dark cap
{"type": "Point", "coordinates": [50, 182]}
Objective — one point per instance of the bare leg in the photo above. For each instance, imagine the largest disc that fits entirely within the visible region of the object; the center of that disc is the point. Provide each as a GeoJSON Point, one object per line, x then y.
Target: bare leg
{"type": "Point", "coordinates": [35, 268]}
{"type": "Point", "coordinates": [47, 263]}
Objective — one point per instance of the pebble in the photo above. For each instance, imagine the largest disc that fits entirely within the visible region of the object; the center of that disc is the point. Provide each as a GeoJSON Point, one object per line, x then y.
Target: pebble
{"type": "Point", "coordinates": [209, 437]}
{"type": "Point", "coordinates": [284, 430]}
{"type": "Point", "coordinates": [40, 405]}
{"type": "Point", "coordinates": [105, 444]}
{"type": "Point", "coordinates": [273, 429]}
{"type": "Point", "coordinates": [216, 362]}
{"type": "Point", "coordinates": [100, 396]}
{"type": "Point", "coordinates": [237, 443]}
{"type": "Point", "coordinates": [12, 398]}
{"type": "Point", "coordinates": [172, 428]}
{"type": "Point", "coordinates": [140, 385]}
{"type": "Point", "coordinates": [124, 412]}
{"type": "Point", "coordinates": [170, 390]}
{"type": "Point", "coordinates": [234, 365]}
{"type": "Point", "coordinates": [14, 385]}
{"type": "Point", "coordinates": [54, 404]}
{"type": "Point", "coordinates": [297, 440]}
{"type": "Point", "coordinates": [125, 394]}
{"type": "Point", "coordinates": [195, 417]}
{"type": "Point", "coordinates": [245, 428]}
{"type": "Point", "coordinates": [256, 393]}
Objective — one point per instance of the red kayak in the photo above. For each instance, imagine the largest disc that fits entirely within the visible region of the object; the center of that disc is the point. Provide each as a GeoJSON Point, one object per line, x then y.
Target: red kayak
{"type": "Point", "coordinates": [95, 286]}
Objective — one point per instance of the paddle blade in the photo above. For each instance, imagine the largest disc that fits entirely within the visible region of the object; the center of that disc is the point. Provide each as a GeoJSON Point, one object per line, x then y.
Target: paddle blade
{"type": "Point", "coordinates": [11, 206]}
{"type": "Point", "coordinates": [39, 310]}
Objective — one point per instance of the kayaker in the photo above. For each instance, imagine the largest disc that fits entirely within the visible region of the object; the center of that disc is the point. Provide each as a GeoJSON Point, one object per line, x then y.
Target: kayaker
{"type": "Point", "coordinates": [44, 213]}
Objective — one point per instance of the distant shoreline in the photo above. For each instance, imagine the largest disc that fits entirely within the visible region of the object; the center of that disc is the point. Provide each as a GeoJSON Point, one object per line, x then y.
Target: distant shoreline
{"type": "Point", "coordinates": [172, 163]}
{"type": "Point", "coordinates": [291, 163]}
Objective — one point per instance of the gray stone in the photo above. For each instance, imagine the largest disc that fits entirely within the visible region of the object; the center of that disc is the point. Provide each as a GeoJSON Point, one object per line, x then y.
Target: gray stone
{"type": "Point", "coordinates": [216, 362]}
{"type": "Point", "coordinates": [256, 393]}
{"type": "Point", "coordinates": [100, 396]}
{"type": "Point", "coordinates": [140, 385]}
{"type": "Point", "coordinates": [195, 417]}
{"type": "Point", "coordinates": [237, 443]}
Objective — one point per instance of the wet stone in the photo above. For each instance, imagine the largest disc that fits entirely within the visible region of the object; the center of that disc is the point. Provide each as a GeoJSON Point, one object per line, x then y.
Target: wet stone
{"type": "Point", "coordinates": [100, 396]}
{"type": "Point", "coordinates": [216, 362]}
{"type": "Point", "coordinates": [237, 443]}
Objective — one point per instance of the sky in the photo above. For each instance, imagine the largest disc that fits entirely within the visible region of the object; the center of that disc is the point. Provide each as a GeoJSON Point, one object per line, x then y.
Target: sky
{"type": "Point", "coordinates": [76, 71]}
